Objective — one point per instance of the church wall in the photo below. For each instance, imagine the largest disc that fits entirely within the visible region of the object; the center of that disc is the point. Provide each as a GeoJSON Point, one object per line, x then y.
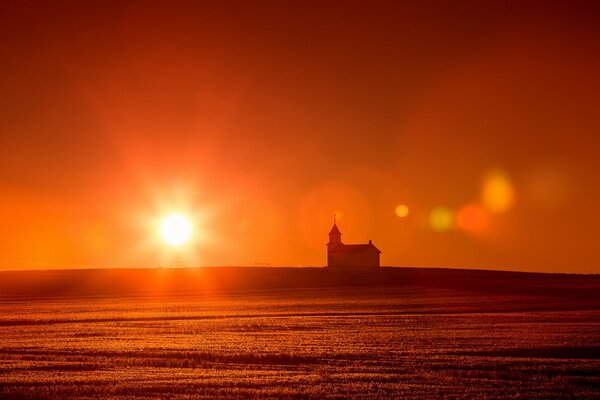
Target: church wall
{"type": "Point", "coordinates": [362, 259]}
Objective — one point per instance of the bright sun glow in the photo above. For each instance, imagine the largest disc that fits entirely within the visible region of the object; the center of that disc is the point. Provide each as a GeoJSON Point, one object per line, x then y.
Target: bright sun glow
{"type": "Point", "coordinates": [176, 229]}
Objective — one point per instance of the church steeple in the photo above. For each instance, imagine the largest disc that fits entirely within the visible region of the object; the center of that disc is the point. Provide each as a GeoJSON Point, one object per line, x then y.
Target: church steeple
{"type": "Point", "coordinates": [335, 236]}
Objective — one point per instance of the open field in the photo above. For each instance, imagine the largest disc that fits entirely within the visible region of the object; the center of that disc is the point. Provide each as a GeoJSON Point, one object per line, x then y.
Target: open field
{"type": "Point", "coordinates": [321, 341]}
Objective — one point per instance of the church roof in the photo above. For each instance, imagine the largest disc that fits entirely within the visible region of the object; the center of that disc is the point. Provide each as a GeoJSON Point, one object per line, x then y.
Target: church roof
{"type": "Point", "coordinates": [335, 229]}
{"type": "Point", "coordinates": [355, 248]}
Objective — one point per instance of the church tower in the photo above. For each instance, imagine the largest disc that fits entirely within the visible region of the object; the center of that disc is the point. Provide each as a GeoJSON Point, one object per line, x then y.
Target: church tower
{"type": "Point", "coordinates": [335, 236]}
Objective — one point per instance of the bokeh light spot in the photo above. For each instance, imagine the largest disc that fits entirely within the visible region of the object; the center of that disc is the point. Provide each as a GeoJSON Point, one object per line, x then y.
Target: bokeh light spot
{"type": "Point", "coordinates": [402, 210]}
{"type": "Point", "coordinates": [441, 219]}
{"type": "Point", "coordinates": [472, 218]}
{"type": "Point", "coordinates": [497, 193]}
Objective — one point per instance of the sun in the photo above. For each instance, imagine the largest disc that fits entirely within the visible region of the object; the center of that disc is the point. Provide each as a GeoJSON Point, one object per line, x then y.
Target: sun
{"type": "Point", "coordinates": [175, 229]}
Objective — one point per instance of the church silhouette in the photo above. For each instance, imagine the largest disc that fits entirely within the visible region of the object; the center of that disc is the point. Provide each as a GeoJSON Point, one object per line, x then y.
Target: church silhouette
{"type": "Point", "coordinates": [341, 255]}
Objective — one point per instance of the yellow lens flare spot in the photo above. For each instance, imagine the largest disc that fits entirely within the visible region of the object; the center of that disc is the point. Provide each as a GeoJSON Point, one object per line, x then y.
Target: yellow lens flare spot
{"type": "Point", "coordinates": [402, 210]}
{"type": "Point", "coordinates": [441, 219]}
{"type": "Point", "coordinates": [175, 229]}
{"type": "Point", "coordinates": [497, 193]}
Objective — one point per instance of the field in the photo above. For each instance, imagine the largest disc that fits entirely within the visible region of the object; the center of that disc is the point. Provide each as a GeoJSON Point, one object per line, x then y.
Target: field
{"type": "Point", "coordinates": [346, 341]}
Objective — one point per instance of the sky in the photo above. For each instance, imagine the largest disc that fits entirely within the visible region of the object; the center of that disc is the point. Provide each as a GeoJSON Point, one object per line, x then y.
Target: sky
{"type": "Point", "coordinates": [259, 120]}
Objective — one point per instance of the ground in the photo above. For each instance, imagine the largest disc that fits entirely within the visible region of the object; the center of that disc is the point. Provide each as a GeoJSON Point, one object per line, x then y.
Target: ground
{"type": "Point", "coordinates": [374, 341]}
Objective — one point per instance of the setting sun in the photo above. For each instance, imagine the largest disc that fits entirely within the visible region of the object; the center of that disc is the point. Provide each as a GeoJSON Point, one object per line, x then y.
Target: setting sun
{"type": "Point", "coordinates": [175, 229]}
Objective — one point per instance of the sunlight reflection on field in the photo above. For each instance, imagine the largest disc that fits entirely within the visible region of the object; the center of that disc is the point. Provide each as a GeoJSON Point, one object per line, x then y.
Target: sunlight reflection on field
{"type": "Point", "coordinates": [379, 343]}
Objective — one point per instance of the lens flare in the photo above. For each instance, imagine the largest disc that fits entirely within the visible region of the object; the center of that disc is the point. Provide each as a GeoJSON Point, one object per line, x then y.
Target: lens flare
{"type": "Point", "coordinates": [402, 210]}
{"type": "Point", "coordinates": [472, 218]}
{"type": "Point", "coordinates": [176, 229]}
{"type": "Point", "coordinates": [441, 219]}
{"type": "Point", "coordinates": [497, 193]}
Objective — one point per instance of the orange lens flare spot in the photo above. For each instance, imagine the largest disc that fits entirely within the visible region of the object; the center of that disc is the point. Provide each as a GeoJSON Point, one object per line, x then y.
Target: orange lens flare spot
{"type": "Point", "coordinates": [441, 219]}
{"type": "Point", "coordinates": [472, 218]}
{"type": "Point", "coordinates": [175, 229]}
{"type": "Point", "coordinates": [402, 210]}
{"type": "Point", "coordinates": [497, 193]}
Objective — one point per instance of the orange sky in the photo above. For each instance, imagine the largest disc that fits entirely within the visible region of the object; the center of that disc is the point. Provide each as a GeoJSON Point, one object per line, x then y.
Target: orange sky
{"type": "Point", "coordinates": [261, 120]}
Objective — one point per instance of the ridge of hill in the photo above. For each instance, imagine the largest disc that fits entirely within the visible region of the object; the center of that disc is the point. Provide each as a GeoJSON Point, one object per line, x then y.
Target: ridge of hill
{"type": "Point", "coordinates": [172, 281]}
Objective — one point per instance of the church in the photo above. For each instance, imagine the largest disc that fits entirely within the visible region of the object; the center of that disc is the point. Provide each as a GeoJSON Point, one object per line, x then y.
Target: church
{"type": "Point", "coordinates": [350, 255]}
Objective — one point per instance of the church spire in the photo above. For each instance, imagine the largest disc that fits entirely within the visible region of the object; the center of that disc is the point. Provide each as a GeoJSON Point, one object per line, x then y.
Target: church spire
{"type": "Point", "coordinates": [335, 236]}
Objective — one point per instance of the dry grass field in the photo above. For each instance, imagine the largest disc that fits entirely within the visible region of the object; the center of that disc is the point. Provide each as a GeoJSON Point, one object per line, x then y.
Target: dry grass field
{"type": "Point", "coordinates": [324, 342]}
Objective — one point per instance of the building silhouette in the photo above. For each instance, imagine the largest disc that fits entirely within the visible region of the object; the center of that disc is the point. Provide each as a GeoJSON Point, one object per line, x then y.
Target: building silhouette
{"type": "Point", "coordinates": [350, 255]}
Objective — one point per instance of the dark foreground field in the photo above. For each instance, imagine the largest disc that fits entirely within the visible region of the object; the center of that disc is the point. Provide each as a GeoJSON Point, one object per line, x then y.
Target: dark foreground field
{"type": "Point", "coordinates": [303, 334]}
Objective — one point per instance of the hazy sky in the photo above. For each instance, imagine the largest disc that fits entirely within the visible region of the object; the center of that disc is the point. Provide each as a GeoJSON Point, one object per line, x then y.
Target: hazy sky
{"type": "Point", "coordinates": [260, 119]}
